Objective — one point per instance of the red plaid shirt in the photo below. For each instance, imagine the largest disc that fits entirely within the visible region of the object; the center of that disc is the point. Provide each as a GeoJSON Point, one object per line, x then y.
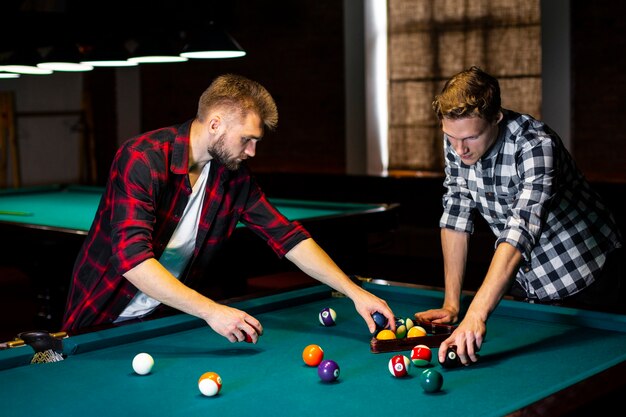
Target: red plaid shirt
{"type": "Point", "coordinates": [144, 199]}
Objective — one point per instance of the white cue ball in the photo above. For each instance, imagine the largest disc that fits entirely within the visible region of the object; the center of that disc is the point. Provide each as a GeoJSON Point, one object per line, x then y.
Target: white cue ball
{"type": "Point", "coordinates": [143, 363]}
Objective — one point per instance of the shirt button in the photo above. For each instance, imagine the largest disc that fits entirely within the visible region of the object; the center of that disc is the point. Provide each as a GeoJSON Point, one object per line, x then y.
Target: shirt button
{"type": "Point", "coordinates": [489, 194]}
{"type": "Point", "coordinates": [526, 269]}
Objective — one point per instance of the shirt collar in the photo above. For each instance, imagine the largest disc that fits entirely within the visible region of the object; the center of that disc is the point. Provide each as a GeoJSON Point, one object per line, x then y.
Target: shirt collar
{"type": "Point", "coordinates": [495, 148]}
{"type": "Point", "coordinates": [180, 151]}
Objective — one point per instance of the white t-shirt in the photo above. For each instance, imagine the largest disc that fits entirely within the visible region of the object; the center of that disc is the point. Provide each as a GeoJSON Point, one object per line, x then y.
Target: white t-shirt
{"type": "Point", "coordinates": [178, 250]}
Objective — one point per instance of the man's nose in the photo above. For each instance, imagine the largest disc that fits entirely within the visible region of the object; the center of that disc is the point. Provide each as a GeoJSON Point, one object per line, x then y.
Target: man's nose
{"type": "Point", "coordinates": [459, 146]}
{"type": "Point", "coordinates": [250, 149]}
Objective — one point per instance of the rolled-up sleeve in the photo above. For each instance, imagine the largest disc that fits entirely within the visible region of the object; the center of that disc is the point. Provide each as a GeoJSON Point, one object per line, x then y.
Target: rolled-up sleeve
{"type": "Point", "coordinates": [266, 221]}
{"type": "Point", "coordinates": [528, 214]}
{"type": "Point", "coordinates": [458, 205]}
{"type": "Point", "coordinates": [132, 213]}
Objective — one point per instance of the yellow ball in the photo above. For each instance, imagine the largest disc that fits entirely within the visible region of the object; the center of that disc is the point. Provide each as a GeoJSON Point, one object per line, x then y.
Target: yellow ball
{"type": "Point", "coordinates": [385, 334]}
{"type": "Point", "coordinates": [416, 331]}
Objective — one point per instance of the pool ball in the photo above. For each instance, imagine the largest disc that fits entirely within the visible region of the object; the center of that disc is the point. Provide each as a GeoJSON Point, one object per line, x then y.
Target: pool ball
{"type": "Point", "coordinates": [431, 380]}
{"type": "Point", "coordinates": [400, 331]}
{"type": "Point", "coordinates": [248, 338]}
{"type": "Point", "coordinates": [409, 323]}
{"type": "Point", "coordinates": [399, 366]}
{"type": "Point", "coordinates": [452, 359]}
{"type": "Point", "coordinates": [421, 355]}
{"type": "Point", "coordinates": [385, 334]}
{"type": "Point", "coordinates": [328, 370]}
{"type": "Point", "coordinates": [210, 384]}
{"type": "Point", "coordinates": [380, 320]}
{"type": "Point", "coordinates": [328, 316]}
{"type": "Point", "coordinates": [416, 331]}
{"type": "Point", "coordinates": [143, 363]}
{"type": "Point", "coordinates": [312, 355]}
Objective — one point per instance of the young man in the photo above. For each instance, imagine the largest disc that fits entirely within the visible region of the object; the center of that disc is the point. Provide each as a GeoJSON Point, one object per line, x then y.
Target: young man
{"type": "Point", "coordinates": [173, 196]}
{"type": "Point", "coordinates": [555, 238]}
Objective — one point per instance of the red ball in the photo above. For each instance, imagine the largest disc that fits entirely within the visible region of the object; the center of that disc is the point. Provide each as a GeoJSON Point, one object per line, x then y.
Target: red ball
{"type": "Point", "coordinates": [399, 366]}
{"type": "Point", "coordinates": [248, 338]}
{"type": "Point", "coordinates": [421, 355]}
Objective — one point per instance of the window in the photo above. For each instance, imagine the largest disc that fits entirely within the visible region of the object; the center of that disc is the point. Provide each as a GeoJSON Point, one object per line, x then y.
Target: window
{"type": "Point", "coordinates": [431, 40]}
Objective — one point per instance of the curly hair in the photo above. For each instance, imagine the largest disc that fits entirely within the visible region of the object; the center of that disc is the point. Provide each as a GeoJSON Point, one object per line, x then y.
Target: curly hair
{"type": "Point", "coordinates": [470, 93]}
{"type": "Point", "coordinates": [241, 95]}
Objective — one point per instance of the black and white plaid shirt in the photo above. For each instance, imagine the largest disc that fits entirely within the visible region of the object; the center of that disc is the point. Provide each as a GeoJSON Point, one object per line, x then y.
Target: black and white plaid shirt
{"type": "Point", "coordinates": [529, 191]}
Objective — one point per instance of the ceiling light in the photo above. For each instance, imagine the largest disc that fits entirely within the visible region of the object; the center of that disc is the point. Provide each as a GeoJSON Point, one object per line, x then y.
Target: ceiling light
{"type": "Point", "coordinates": [110, 54]}
{"type": "Point", "coordinates": [24, 61]}
{"type": "Point", "coordinates": [212, 43]}
{"type": "Point", "coordinates": [64, 57]}
{"type": "Point", "coordinates": [156, 49]}
{"type": "Point", "coordinates": [8, 74]}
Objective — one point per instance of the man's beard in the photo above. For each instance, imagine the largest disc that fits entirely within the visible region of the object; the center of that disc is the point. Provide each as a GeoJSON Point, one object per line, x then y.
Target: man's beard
{"type": "Point", "coordinates": [220, 154]}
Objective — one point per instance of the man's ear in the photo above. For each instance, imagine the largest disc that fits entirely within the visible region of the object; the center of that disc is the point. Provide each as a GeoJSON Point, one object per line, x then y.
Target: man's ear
{"type": "Point", "coordinates": [214, 123]}
{"type": "Point", "coordinates": [499, 117]}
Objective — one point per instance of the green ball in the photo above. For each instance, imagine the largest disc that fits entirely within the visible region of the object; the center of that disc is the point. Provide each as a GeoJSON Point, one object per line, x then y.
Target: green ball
{"type": "Point", "coordinates": [401, 331]}
{"type": "Point", "coordinates": [431, 380]}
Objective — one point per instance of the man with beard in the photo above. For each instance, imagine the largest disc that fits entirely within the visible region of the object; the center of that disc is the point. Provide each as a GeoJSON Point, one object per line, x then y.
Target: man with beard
{"type": "Point", "coordinates": [173, 196]}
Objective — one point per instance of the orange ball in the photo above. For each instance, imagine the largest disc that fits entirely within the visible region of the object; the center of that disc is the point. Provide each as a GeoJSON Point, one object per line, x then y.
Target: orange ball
{"type": "Point", "coordinates": [210, 384]}
{"type": "Point", "coordinates": [312, 355]}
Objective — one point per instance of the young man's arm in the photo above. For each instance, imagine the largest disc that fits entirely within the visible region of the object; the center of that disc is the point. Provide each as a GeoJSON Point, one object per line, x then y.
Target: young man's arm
{"type": "Point", "coordinates": [470, 333]}
{"type": "Point", "coordinates": [454, 245]}
{"type": "Point", "coordinates": [156, 281]}
{"type": "Point", "coordinates": [315, 262]}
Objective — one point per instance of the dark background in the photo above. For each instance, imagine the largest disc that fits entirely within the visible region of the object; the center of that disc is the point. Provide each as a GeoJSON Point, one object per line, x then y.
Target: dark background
{"type": "Point", "coordinates": [296, 49]}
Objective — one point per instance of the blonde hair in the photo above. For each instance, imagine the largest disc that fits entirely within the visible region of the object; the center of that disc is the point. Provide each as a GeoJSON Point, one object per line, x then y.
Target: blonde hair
{"type": "Point", "coordinates": [241, 95]}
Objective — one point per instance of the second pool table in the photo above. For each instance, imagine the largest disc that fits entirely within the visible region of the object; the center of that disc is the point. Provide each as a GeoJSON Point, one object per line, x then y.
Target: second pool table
{"type": "Point", "coordinates": [49, 223]}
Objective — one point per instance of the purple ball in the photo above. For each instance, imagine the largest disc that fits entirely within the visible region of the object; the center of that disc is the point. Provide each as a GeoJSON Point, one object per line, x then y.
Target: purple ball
{"type": "Point", "coordinates": [327, 316]}
{"type": "Point", "coordinates": [328, 370]}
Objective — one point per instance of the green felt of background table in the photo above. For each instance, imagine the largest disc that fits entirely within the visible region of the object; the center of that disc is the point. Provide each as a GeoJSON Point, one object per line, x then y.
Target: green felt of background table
{"type": "Point", "coordinates": [530, 353]}
{"type": "Point", "coordinates": [74, 207]}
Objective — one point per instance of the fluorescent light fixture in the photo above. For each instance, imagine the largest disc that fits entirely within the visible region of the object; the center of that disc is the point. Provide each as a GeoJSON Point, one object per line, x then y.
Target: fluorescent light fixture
{"type": "Point", "coordinates": [110, 54]}
{"type": "Point", "coordinates": [4, 75]}
{"type": "Point", "coordinates": [155, 50]}
{"type": "Point", "coordinates": [64, 57]}
{"type": "Point", "coordinates": [212, 43]}
{"type": "Point", "coordinates": [24, 61]}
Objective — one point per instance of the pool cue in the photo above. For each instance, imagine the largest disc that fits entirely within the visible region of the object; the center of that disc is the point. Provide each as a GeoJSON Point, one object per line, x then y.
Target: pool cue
{"type": "Point", "coordinates": [15, 213]}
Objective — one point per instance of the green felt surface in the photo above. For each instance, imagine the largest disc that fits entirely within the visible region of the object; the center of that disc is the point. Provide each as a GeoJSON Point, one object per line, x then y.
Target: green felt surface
{"type": "Point", "coordinates": [530, 353]}
{"type": "Point", "coordinates": [65, 208]}
{"type": "Point", "coordinates": [74, 207]}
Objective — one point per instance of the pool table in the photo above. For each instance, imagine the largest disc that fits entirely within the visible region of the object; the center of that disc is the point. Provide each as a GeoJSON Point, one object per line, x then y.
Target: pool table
{"type": "Point", "coordinates": [536, 360]}
{"type": "Point", "coordinates": [70, 209]}
{"type": "Point", "coordinates": [42, 229]}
